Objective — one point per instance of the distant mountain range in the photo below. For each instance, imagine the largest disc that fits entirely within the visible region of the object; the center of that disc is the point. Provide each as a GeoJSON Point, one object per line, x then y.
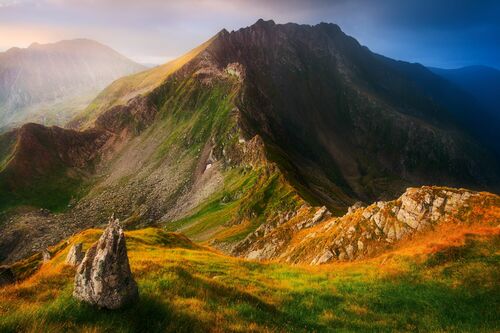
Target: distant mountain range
{"type": "Point", "coordinates": [240, 135]}
{"type": "Point", "coordinates": [48, 83]}
{"type": "Point", "coordinates": [482, 84]}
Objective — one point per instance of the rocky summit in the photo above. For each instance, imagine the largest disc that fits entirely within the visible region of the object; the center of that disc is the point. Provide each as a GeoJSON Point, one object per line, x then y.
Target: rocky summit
{"type": "Point", "coordinates": [104, 278]}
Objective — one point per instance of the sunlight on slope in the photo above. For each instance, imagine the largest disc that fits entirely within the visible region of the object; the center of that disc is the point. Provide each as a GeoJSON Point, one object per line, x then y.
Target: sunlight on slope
{"type": "Point", "coordinates": [126, 88]}
{"type": "Point", "coordinates": [187, 288]}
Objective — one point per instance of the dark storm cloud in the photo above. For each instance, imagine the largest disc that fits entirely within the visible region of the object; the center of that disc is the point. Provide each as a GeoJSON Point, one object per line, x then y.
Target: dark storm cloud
{"type": "Point", "coordinates": [439, 33]}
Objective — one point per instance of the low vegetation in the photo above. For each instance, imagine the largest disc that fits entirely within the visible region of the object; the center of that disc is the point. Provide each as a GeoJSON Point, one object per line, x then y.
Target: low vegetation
{"type": "Point", "coordinates": [451, 286]}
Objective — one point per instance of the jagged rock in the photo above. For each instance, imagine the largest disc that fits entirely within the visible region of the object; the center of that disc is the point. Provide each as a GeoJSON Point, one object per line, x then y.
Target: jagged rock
{"type": "Point", "coordinates": [357, 204]}
{"type": "Point", "coordinates": [371, 229]}
{"type": "Point", "coordinates": [324, 258]}
{"type": "Point", "coordinates": [104, 277]}
{"type": "Point", "coordinates": [75, 255]}
{"type": "Point", "coordinates": [46, 255]}
{"type": "Point", "coordinates": [320, 215]}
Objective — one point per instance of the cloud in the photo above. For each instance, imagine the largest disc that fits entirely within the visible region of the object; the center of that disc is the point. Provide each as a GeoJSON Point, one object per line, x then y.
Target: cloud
{"type": "Point", "coordinates": [429, 31]}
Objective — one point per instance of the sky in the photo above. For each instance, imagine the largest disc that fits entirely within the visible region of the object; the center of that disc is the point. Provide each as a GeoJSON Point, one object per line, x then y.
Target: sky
{"type": "Point", "coordinates": [439, 33]}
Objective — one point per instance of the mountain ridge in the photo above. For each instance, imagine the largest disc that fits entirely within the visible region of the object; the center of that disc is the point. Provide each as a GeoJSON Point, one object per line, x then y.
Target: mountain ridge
{"type": "Point", "coordinates": [244, 130]}
{"type": "Point", "coordinates": [50, 82]}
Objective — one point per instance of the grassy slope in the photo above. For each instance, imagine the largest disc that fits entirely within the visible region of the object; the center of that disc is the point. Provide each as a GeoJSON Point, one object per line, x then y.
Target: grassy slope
{"type": "Point", "coordinates": [122, 90]}
{"type": "Point", "coordinates": [248, 198]}
{"type": "Point", "coordinates": [185, 288]}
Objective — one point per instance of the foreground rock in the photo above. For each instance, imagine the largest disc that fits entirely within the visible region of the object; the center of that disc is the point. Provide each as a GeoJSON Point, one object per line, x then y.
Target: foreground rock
{"type": "Point", "coordinates": [75, 255]}
{"type": "Point", "coordinates": [104, 278]}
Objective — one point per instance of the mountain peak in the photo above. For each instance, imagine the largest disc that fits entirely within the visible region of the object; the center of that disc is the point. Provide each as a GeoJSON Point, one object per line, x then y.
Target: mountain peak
{"type": "Point", "coordinates": [262, 22]}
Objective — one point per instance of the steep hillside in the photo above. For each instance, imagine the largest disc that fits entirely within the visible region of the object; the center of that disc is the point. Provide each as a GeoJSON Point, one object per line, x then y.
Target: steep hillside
{"type": "Point", "coordinates": [345, 123]}
{"type": "Point", "coordinates": [174, 154]}
{"type": "Point", "coordinates": [483, 84]}
{"type": "Point", "coordinates": [480, 81]}
{"type": "Point", "coordinates": [49, 83]}
{"type": "Point", "coordinates": [252, 128]}
{"type": "Point", "coordinates": [448, 285]}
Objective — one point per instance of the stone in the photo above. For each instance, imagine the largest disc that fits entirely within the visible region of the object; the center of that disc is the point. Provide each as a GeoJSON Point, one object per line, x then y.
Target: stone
{"type": "Point", "coordinates": [353, 208]}
{"type": "Point", "coordinates": [104, 278]}
{"type": "Point", "coordinates": [320, 214]}
{"type": "Point", "coordinates": [349, 249]}
{"type": "Point", "coordinates": [75, 255]}
{"type": "Point", "coordinates": [46, 255]}
{"type": "Point", "coordinates": [325, 257]}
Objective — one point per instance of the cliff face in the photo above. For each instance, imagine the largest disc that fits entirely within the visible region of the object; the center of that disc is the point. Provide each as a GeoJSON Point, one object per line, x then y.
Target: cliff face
{"type": "Point", "coordinates": [236, 139]}
{"type": "Point", "coordinates": [347, 124]}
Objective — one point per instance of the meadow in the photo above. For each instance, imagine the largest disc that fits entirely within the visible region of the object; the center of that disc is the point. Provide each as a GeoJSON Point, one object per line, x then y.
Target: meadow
{"type": "Point", "coordinates": [184, 287]}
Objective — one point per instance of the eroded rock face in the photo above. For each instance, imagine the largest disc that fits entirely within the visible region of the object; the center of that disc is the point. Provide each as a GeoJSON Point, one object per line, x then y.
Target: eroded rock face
{"type": "Point", "coordinates": [104, 278]}
{"type": "Point", "coordinates": [366, 231]}
{"type": "Point", "coordinates": [75, 255]}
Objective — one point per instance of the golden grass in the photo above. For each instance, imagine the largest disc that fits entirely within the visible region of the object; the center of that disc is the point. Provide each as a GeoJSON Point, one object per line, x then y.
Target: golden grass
{"type": "Point", "coordinates": [188, 288]}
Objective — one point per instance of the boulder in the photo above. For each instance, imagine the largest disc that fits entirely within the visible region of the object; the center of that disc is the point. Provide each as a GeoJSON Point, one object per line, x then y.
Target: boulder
{"type": "Point", "coordinates": [104, 278]}
{"type": "Point", "coordinates": [75, 255]}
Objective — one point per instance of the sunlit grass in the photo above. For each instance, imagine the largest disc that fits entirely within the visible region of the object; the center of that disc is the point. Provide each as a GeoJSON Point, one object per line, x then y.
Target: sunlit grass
{"type": "Point", "coordinates": [187, 288]}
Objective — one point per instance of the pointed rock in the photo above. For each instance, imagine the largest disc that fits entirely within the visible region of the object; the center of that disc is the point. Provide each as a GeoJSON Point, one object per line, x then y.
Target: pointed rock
{"type": "Point", "coordinates": [75, 255]}
{"type": "Point", "coordinates": [46, 255]}
{"type": "Point", "coordinates": [104, 278]}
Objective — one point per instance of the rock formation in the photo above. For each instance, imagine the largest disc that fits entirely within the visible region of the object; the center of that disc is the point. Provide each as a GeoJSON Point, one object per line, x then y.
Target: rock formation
{"type": "Point", "coordinates": [104, 278]}
{"type": "Point", "coordinates": [366, 231]}
{"type": "Point", "coordinates": [75, 255]}
{"type": "Point", "coordinates": [46, 255]}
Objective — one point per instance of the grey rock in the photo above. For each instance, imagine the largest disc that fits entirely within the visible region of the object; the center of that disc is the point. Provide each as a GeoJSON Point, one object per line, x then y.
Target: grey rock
{"type": "Point", "coordinates": [46, 255]}
{"type": "Point", "coordinates": [75, 255]}
{"type": "Point", "coordinates": [104, 278]}
{"type": "Point", "coordinates": [353, 208]}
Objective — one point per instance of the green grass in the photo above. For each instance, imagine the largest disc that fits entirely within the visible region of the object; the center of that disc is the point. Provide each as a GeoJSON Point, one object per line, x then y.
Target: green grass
{"type": "Point", "coordinates": [184, 288]}
{"type": "Point", "coordinates": [247, 200]}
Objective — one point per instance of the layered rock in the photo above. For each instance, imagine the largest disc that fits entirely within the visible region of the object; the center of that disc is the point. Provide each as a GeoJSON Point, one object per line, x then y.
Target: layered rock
{"type": "Point", "coordinates": [104, 278]}
{"type": "Point", "coordinates": [365, 232]}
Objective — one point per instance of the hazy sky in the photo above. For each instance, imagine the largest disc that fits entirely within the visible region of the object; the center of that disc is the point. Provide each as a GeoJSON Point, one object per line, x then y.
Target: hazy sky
{"type": "Point", "coordinates": [443, 33]}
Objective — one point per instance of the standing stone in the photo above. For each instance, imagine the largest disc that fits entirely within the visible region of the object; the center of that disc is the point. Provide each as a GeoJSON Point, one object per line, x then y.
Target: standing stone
{"type": "Point", "coordinates": [46, 255]}
{"type": "Point", "coordinates": [104, 278]}
{"type": "Point", "coordinates": [75, 255]}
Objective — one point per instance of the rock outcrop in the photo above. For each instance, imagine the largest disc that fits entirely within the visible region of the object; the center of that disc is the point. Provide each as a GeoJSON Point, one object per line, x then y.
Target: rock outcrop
{"type": "Point", "coordinates": [46, 255]}
{"type": "Point", "coordinates": [104, 278]}
{"type": "Point", "coordinates": [366, 231]}
{"type": "Point", "coordinates": [75, 255]}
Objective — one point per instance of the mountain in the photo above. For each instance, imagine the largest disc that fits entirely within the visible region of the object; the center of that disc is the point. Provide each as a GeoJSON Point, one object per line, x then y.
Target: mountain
{"type": "Point", "coordinates": [483, 85]}
{"type": "Point", "coordinates": [237, 136]}
{"type": "Point", "coordinates": [482, 82]}
{"type": "Point", "coordinates": [49, 83]}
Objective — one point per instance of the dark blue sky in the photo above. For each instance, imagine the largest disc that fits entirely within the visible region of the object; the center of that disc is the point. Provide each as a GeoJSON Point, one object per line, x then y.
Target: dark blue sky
{"type": "Point", "coordinates": [441, 33]}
